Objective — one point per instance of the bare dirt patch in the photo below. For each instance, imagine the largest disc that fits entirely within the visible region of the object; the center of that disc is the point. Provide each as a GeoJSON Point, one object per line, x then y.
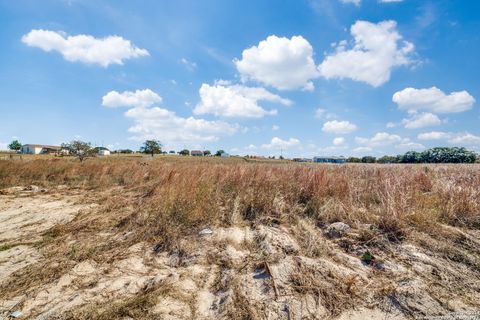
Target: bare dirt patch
{"type": "Point", "coordinates": [234, 272]}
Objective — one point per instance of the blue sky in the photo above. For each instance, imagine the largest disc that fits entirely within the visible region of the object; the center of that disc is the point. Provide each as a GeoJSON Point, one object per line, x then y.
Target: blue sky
{"type": "Point", "coordinates": [312, 77]}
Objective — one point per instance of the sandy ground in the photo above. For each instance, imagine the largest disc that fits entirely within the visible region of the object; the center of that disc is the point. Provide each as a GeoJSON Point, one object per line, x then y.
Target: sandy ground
{"type": "Point", "coordinates": [197, 288]}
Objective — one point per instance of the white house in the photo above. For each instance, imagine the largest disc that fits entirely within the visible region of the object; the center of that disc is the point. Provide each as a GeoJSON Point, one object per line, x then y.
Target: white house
{"type": "Point", "coordinates": [103, 152]}
{"type": "Point", "coordinates": [40, 149]}
{"type": "Point", "coordinates": [225, 155]}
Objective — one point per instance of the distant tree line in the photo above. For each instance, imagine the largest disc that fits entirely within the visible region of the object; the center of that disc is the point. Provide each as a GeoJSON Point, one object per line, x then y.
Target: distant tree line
{"type": "Point", "coordinates": [434, 155]}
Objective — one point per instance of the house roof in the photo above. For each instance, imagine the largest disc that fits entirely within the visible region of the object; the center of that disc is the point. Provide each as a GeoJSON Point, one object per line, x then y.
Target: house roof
{"type": "Point", "coordinates": [42, 146]}
{"type": "Point", "coordinates": [196, 152]}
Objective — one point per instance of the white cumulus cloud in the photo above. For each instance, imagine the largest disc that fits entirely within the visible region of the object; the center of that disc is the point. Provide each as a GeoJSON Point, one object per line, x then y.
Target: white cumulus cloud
{"type": "Point", "coordinates": [433, 135]}
{"type": "Point", "coordinates": [421, 120]}
{"type": "Point", "coordinates": [465, 139]}
{"type": "Point", "coordinates": [277, 143]}
{"type": "Point", "coordinates": [154, 122]}
{"type": "Point", "coordinates": [279, 62]}
{"type": "Point", "coordinates": [433, 100]}
{"type": "Point", "coordinates": [85, 48]}
{"type": "Point", "coordinates": [228, 100]}
{"type": "Point", "coordinates": [379, 139]}
{"type": "Point", "coordinates": [338, 141]}
{"type": "Point", "coordinates": [377, 49]}
{"type": "Point", "coordinates": [139, 98]}
{"type": "Point", "coordinates": [459, 138]}
{"type": "Point", "coordinates": [362, 150]}
{"type": "Point", "coordinates": [408, 145]}
{"type": "Point", "coordinates": [338, 127]}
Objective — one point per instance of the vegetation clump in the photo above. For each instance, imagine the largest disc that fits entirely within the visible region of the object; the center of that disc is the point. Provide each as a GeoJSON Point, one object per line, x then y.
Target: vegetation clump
{"type": "Point", "coordinates": [433, 155]}
{"type": "Point", "coordinates": [79, 149]}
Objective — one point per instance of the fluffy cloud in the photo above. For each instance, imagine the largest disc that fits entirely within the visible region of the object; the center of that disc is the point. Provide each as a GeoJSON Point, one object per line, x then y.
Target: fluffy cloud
{"type": "Point", "coordinates": [465, 139]}
{"type": "Point", "coordinates": [338, 127]}
{"type": "Point", "coordinates": [338, 141]}
{"type": "Point", "coordinates": [278, 143]}
{"type": "Point", "coordinates": [460, 139]}
{"type": "Point", "coordinates": [140, 98]}
{"type": "Point", "coordinates": [362, 150]}
{"type": "Point", "coordinates": [406, 144]}
{"type": "Point", "coordinates": [85, 48]}
{"type": "Point", "coordinates": [236, 101]}
{"type": "Point", "coordinates": [379, 139]}
{"type": "Point", "coordinates": [378, 48]}
{"type": "Point", "coordinates": [279, 62]}
{"type": "Point", "coordinates": [153, 122]}
{"type": "Point", "coordinates": [433, 100]}
{"type": "Point", "coordinates": [422, 120]}
{"type": "Point", "coordinates": [355, 2]}
{"type": "Point", "coordinates": [433, 135]}
{"type": "Point", "coordinates": [321, 113]}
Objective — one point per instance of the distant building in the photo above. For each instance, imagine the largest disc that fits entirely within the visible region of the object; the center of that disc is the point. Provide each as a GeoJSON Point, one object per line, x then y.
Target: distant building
{"type": "Point", "coordinates": [225, 155]}
{"type": "Point", "coordinates": [41, 149]}
{"type": "Point", "coordinates": [329, 159]}
{"type": "Point", "coordinates": [103, 152]}
{"type": "Point", "coordinates": [196, 153]}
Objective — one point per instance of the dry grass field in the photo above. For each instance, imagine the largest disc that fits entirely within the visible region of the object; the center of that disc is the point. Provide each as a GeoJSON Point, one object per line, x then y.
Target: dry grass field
{"type": "Point", "coordinates": [185, 238]}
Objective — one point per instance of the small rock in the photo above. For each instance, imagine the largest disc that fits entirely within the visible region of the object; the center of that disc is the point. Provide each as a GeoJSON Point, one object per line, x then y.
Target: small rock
{"type": "Point", "coordinates": [15, 314]}
{"type": "Point", "coordinates": [34, 189]}
{"type": "Point", "coordinates": [337, 229]}
{"type": "Point", "coordinates": [380, 266]}
{"type": "Point", "coordinates": [206, 232]}
{"type": "Point", "coordinates": [125, 235]}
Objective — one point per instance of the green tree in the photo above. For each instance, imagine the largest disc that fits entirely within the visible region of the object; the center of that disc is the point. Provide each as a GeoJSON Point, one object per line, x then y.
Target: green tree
{"type": "Point", "coordinates": [387, 159]}
{"type": "Point", "coordinates": [219, 153]}
{"type": "Point", "coordinates": [184, 152]}
{"type": "Point", "coordinates": [151, 147]}
{"type": "Point", "coordinates": [434, 155]}
{"type": "Point", "coordinates": [411, 157]}
{"type": "Point", "coordinates": [368, 159]}
{"type": "Point", "coordinates": [15, 145]}
{"type": "Point", "coordinates": [207, 153]}
{"type": "Point", "coordinates": [79, 149]}
{"type": "Point", "coordinates": [354, 160]}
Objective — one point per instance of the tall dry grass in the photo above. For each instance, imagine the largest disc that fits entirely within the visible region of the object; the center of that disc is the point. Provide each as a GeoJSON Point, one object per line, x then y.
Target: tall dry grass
{"type": "Point", "coordinates": [166, 201]}
{"type": "Point", "coordinates": [183, 193]}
